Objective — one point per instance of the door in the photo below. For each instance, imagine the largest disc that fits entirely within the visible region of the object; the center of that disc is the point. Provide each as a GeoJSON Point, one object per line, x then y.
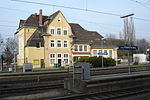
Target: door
{"type": "Point", "coordinates": [42, 63]}
{"type": "Point", "coordinates": [59, 62]}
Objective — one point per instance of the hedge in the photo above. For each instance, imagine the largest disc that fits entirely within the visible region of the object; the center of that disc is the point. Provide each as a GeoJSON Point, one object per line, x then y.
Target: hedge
{"type": "Point", "coordinates": [97, 61]}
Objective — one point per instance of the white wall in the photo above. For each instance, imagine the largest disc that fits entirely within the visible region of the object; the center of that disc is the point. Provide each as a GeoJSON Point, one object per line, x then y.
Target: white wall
{"type": "Point", "coordinates": [140, 58]}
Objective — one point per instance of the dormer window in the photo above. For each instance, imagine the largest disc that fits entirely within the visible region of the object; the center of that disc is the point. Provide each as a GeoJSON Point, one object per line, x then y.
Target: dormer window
{"type": "Point", "coordinates": [38, 45]}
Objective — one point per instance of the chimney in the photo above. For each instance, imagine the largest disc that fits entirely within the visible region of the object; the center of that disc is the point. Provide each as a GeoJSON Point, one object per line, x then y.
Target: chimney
{"type": "Point", "coordinates": [40, 17]}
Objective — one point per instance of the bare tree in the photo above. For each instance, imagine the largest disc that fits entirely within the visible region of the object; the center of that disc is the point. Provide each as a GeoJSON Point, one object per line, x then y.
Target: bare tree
{"type": "Point", "coordinates": [143, 45]}
{"type": "Point", "coordinates": [1, 44]}
{"type": "Point", "coordinates": [129, 31]}
{"type": "Point", "coordinates": [12, 44]}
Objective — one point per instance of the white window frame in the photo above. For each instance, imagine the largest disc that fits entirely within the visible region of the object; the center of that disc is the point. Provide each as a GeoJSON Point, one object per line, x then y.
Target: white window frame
{"type": "Point", "coordinates": [105, 50]}
{"type": "Point", "coordinates": [66, 57]}
{"type": "Point", "coordinates": [54, 30]}
{"type": "Point", "coordinates": [77, 47]}
{"type": "Point", "coordinates": [66, 44]}
{"type": "Point", "coordinates": [86, 48]}
{"type": "Point", "coordinates": [64, 30]}
{"type": "Point", "coordinates": [50, 44]}
{"type": "Point", "coordinates": [110, 54]}
{"type": "Point", "coordinates": [95, 53]}
{"type": "Point", "coordinates": [52, 58]}
{"type": "Point", "coordinates": [60, 43]}
{"type": "Point", "coordinates": [59, 57]}
{"type": "Point", "coordinates": [60, 31]}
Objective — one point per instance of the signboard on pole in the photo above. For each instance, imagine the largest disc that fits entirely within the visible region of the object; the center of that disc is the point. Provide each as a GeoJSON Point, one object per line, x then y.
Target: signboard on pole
{"type": "Point", "coordinates": [128, 47]}
{"type": "Point", "coordinates": [102, 54]}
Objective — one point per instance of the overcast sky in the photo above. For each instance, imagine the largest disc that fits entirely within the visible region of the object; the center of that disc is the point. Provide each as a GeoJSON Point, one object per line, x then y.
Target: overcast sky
{"type": "Point", "coordinates": [12, 12]}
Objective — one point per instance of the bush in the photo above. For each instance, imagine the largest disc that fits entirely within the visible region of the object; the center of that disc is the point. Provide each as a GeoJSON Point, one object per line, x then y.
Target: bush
{"type": "Point", "coordinates": [97, 61]}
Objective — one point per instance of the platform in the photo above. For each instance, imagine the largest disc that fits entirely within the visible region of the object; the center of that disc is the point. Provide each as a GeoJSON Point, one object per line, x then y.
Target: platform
{"type": "Point", "coordinates": [108, 82]}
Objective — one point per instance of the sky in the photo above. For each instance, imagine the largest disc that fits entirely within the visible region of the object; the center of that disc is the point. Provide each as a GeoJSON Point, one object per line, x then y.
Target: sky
{"type": "Point", "coordinates": [12, 12]}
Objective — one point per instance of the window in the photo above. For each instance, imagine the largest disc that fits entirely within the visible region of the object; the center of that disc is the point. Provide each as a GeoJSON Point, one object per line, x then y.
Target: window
{"type": "Point", "coordinates": [52, 55]}
{"type": "Point", "coordinates": [65, 32]}
{"type": "Point", "coordinates": [52, 59]}
{"type": "Point", "coordinates": [38, 45]}
{"type": "Point", "coordinates": [65, 44]}
{"type": "Point", "coordinates": [105, 51]}
{"type": "Point", "coordinates": [66, 58]}
{"type": "Point", "coordinates": [100, 51]}
{"type": "Point", "coordinates": [85, 48]}
{"type": "Point", "coordinates": [80, 48]}
{"type": "Point", "coordinates": [58, 31]}
{"type": "Point", "coordinates": [59, 43]}
{"type": "Point", "coordinates": [59, 19]}
{"type": "Point", "coordinates": [110, 53]}
{"type": "Point", "coordinates": [94, 52]}
{"type": "Point", "coordinates": [59, 56]}
{"type": "Point", "coordinates": [66, 55]}
{"type": "Point", "coordinates": [75, 48]}
{"type": "Point", "coordinates": [52, 44]}
{"type": "Point", "coordinates": [52, 31]}
{"type": "Point", "coordinates": [36, 62]}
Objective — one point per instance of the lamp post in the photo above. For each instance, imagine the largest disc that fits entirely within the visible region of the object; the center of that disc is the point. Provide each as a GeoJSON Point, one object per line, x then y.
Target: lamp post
{"type": "Point", "coordinates": [15, 53]}
{"type": "Point", "coordinates": [2, 58]}
{"type": "Point", "coordinates": [102, 43]}
{"type": "Point", "coordinates": [127, 40]}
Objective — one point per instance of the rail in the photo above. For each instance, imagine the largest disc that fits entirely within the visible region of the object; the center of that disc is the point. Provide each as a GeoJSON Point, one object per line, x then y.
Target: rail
{"type": "Point", "coordinates": [109, 95]}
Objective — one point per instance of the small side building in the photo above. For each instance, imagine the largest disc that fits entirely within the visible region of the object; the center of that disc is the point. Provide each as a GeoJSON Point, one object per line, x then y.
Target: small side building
{"type": "Point", "coordinates": [140, 58]}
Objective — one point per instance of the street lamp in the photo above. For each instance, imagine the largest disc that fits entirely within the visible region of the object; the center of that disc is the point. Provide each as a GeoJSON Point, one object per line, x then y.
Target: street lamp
{"type": "Point", "coordinates": [102, 43]}
{"type": "Point", "coordinates": [2, 58]}
{"type": "Point", "coordinates": [14, 53]}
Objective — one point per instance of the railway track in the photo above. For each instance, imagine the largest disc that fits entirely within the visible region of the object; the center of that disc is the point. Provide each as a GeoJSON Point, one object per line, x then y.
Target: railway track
{"type": "Point", "coordinates": [110, 95]}
{"type": "Point", "coordinates": [94, 71]}
{"type": "Point", "coordinates": [4, 92]}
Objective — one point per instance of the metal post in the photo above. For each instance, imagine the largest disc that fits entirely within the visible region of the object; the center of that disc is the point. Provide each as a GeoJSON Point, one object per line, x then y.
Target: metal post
{"type": "Point", "coordinates": [102, 55]}
{"type": "Point", "coordinates": [14, 62]}
{"type": "Point", "coordinates": [129, 67]}
{"type": "Point", "coordinates": [102, 62]}
{"type": "Point", "coordinates": [2, 58]}
{"type": "Point", "coordinates": [73, 77]}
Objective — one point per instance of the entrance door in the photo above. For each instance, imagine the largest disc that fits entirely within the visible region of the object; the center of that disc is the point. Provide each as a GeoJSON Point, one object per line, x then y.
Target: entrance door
{"type": "Point", "coordinates": [59, 62]}
{"type": "Point", "coordinates": [42, 63]}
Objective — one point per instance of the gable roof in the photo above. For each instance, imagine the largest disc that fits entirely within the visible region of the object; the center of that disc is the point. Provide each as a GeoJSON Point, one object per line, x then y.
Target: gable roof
{"type": "Point", "coordinates": [37, 37]}
{"type": "Point", "coordinates": [32, 20]}
{"type": "Point", "coordinates": [34, 39]}
{"type": "Point", "coordinates": [84, 36]}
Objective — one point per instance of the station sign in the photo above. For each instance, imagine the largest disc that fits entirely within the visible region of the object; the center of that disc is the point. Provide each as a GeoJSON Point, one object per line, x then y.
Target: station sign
{"type": "Point", "coordinates": [128, 47]}
{"type": "Point", "coordinates": [102, 53]}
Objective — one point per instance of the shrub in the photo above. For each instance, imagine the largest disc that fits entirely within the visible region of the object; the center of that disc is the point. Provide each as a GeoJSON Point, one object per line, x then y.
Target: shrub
{"type": "Point", "coordinates": [97, 61]}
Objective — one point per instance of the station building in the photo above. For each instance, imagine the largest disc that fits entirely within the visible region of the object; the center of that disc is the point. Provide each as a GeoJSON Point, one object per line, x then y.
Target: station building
{"type": "Point", "coordinates": [46, 41]}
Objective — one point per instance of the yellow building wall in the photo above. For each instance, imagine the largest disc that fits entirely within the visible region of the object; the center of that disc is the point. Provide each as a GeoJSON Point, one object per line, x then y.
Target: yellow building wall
{"type": "Point", "coordinates": [23, 35]}
{"type": "Point", "coordinates": [20, 56]}
{"type": "Point", "coordinates": [29, 32]}
{"type": "Point", "coordinates": [34, 54]}
{"type": "Point", "coordinates": [63, 24]}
